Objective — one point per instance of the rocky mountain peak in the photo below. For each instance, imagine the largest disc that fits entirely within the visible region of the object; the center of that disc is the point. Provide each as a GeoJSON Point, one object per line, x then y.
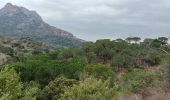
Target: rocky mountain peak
{"type": "Point", "coordinates": [20, 21]}
{"type": "Point", "coordinates": [11, 10]}
{"type": "Point", "coordinates": [9, 5]}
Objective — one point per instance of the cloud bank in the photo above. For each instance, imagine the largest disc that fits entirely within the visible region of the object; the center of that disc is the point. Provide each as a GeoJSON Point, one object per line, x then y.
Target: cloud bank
{"type": "Point", "coordinates": [96, 19]}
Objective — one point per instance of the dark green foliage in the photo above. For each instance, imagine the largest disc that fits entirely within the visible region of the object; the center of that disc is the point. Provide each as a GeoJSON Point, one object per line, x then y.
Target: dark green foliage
{"type": "Point", "coordinates": [163, 40]}
{"type": "Point", "coordinates": [118, 54]}
{"type": "Point", "coordinates": [42, 70]}
{"type": "Point", "coordinates": [133, 39]}
{"type": "Point", "coordinates": [54, 55]}
{"type": "Point", "coordinates": [156, 43]}
{"type": "Point", "coordinates": [91, 57]}
{"type": "Point", "coordinates": [117, 67]}
{"type": "Point", "coordinates": [100, 71]}
{"type": "Point", "coordinates": [153, 58]}
{"type": "Point", "coordinates": [104, 50]}
{"type": "Point", "coordinates": [88, 47]}
{"type": "Point", "coordinates": [122, 61]}
{"type": "Point", "coordinates": [6, 50]}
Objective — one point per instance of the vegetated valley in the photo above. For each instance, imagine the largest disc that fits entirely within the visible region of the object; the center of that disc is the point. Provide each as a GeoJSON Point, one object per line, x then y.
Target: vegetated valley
{"type": "Point", "coordinates": [130, 69]}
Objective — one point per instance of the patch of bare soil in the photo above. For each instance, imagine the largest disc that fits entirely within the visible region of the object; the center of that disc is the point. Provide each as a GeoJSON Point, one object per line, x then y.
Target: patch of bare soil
{"type": "Point", "coordinates": [3, 58]}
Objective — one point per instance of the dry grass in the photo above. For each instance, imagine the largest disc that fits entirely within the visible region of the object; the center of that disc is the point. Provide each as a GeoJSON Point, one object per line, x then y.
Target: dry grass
{"type": "Point", "coordinates": [3, 58]}
{"type": "Point", "coordinates": [149, 94]}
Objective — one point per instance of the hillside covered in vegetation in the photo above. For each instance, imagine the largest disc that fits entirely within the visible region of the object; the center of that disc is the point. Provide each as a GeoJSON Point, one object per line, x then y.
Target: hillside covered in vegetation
{"type": "Point", "coordinates": [13, 49]}
{"type": "Point", "coordinates": [102, 70]}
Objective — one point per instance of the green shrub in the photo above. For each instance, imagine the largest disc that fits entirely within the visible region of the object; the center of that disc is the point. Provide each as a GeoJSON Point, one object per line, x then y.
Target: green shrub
{"type": "Point", "coordinates": [166, 70]}
{"type": "Point", "coordinates": [122, 61]}
{"type": "Point", "coordinates": [55, 88]}
{"type": "Point", "coordinates": [137, 79]}
{"type": "Point", "coordinates": [11, 88]}
{"type": "Point", "coordinates": [43, 71]}
{"type": "Point", "coordinates": [6, 50]}
{"type": "Point", "coordinates": [90, 89]}
{"type": "Point", "coordinates": [100, 71]}
{"type": "Point", "coordinates": [10, 85]}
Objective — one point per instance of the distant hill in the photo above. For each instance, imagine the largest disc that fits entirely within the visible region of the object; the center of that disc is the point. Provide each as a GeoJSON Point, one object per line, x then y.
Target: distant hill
{"type": "Point", "coordinates": [13, 48]}
{"type": "Point", "coordinates": [18, 21]}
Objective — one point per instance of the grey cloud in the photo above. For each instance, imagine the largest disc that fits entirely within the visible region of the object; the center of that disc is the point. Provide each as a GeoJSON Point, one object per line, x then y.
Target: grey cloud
{"type": "Point", "coordinates": [104, 18]}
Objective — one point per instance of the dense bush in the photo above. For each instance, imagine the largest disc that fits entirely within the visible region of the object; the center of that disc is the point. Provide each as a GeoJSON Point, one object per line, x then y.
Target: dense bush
{"type": "Point", "coordinates": [122, 61]}
{"type": "Point", "coordinates": [100, 71]}
{"type": "Point", "coordinates": [43, 71]}
{"type": "Point", "coordinates": [6, 50]}
{"type": "Point", "coordinates": [55, 88]}
{"type": "Point", "coordinates": [114, 67]}
{"type": "Point", "coordinates": [90, 89]}
{"type": "Point", "coordinates": [11, 88]}
{"type": "Point", "coordinates": [116, 53]}
{"type": "Point", "coordinates": [153, 58]}
{"type": "Point", "coordinates": [166, 70]}
{"type": "Point", "coordinates": [10, 85]}
{"type": "Point", "coordinates": [138, 79]}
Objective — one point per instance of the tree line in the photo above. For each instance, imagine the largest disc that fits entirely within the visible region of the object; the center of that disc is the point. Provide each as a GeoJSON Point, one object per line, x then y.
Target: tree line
{"type": "Point", "coordinates": [101, 70]}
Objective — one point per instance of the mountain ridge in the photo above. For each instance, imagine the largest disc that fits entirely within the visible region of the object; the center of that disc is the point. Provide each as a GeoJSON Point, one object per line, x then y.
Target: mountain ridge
{"type": "Point", "coordinates": [19, 21]}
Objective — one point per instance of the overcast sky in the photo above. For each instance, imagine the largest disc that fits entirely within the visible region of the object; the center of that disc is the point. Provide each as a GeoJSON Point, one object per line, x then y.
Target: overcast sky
{"type": "Point", "coordinates": [99, 19]}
